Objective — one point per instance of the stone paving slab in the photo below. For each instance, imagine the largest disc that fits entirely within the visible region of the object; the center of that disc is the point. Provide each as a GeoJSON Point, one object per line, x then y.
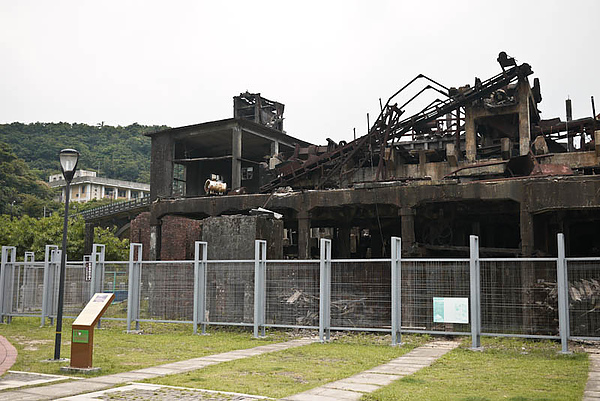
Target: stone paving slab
{"type": "Point", "coordinates": [592, 387]}
{"type": "Point", "coordinates": [152, 392]}
{"type": "Point", "coordinates": [354, 387]}
{"type": "Point", "coordinates": [15, 379]}
{"type": "Point", "coordinates": [54, 391]}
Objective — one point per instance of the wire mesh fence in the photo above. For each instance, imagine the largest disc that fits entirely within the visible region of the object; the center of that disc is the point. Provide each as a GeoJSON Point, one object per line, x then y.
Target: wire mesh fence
{"type": "Point", "coordinates": [27, 288]}
{"type": "Point", "coordinates": [519, 296]}
{"type": "Point", "coordinates": [360, 294]}
{"type": "Point", "coordinates": [77, 289]}
{"type": "Point", "coordinates": [584, 297]}
{"type": "Point", "coordinates": [229, 292]}
{"type": "Point", "coordinates": [292, 293]}
{"type": "Point", "coordinates": [166, 291]}
{"type": "Point", "coordinates": [424, 280]}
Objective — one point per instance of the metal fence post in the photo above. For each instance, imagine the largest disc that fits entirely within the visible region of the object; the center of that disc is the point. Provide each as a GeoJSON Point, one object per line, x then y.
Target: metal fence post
{"type": "Point", "coordinates": [200, 257]}
{"type": "Point", "coordinates": [396, 291]}
{"type": "Point", "coordinates": [475, 293]}
{"type": "Point", "coordinates": [562, 283]}
{"type": "Point", "coordinates": [134, 288]}
{"type": "Point", "coordinates": [7, 267]}
{"type": "Point", "coordinates": [260, 294]}
{"type": "Point", "coordinates": [48, 288]}
{"type": "Point", "coordinates": [325, 290]}
{"type": "Point", "coordinates": [28, 289]}
{"type": "Point", "coordinates": [97, 279]}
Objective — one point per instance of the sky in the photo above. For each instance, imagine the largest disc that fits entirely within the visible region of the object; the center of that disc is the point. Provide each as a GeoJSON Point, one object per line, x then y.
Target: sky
{"type": "Point", "coordinates": [181, 62]}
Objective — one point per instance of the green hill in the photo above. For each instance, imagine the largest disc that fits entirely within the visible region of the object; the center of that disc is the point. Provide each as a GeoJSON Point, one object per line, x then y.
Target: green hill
{"type": "Point", "coordinates": [115, 152]}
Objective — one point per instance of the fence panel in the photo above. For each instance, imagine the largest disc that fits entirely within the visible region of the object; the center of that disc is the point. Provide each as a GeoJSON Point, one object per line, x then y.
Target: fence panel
{"type": "Point", "coordinates": [167, 291]}
{"type": "Point", "coordinates": [293, 293]}
{"type": "Point", "coordinates": [27, 288]}
{"type": "Point", "coordinates": [116, 280]}
{"type": "Point", "coordinates": [361, 294]}
{"type": "Point", "coordinates": [77, 289]}
{"type": "Point", "coordinates": [230, 292]}
{"type": "Point", "coordinates": [519, 296]}
{"type": "Point", "coordinates": [423, 280]}
{"type": "Point", "coordinates": [584, 296]}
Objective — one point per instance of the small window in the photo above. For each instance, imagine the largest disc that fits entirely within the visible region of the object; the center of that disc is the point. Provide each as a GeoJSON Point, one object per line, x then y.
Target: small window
{"type": "Point", "coordinates": [122, 193]}
{"type": "Point", "coordinates": [247, 173]}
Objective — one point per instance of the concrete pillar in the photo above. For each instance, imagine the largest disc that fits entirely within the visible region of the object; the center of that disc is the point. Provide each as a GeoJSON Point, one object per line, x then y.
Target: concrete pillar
{"type": "Point", "coordinates": [527, 269]}
{"type": "Point", "coordinates": [526, 226]}
{"type": "Point", "coordinates": [342, 245]}
{"type": "Point", "coordinates": [597, 143]}
{"type": "Point", "coordinates": [161, 171]}
{"type": "Point", "coordinates": [376, 242]}
{"type": "Point", "coordinates": [505, 148]}
{"type": "Point", "coordinates": [524, 123]}
{"type": "Point", "coordinates": [407, 218]}
{"type": "Point", "coordinates": [128, 193]}
{"type": "Point", "coordinates": [452, 155]}
{"type": "Point", "coordinates": [88, 238]}
{"type": "Point", "coordinates": [274, 148]}
{"type": "Point", "coordinates": [303, 235]}
{"type": "Point", "coordinates": [154, 253]}
{"type": "Point", "coordinates": [470, 136]}
{"type": "Point", "coordinates": [236, 162]}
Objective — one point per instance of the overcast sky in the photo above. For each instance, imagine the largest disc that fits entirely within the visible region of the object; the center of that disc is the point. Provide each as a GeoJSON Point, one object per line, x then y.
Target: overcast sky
{"type": "Point", "coordinates": [181, 62]}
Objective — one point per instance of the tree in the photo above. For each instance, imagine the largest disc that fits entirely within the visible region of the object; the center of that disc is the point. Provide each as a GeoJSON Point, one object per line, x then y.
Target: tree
{"type": "Point", "coordinates": [20, 190]}
{"type": "Point", "coordinates": [31, 234]}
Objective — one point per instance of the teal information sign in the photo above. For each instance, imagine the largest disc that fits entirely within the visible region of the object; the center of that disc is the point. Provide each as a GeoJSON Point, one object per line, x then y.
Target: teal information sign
{"type": "Point", "coordinates": [451, 310]}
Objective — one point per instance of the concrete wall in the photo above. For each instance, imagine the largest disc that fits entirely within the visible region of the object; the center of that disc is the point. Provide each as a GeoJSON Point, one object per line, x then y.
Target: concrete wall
{"type": "Point", "coordinates": [232, 237]}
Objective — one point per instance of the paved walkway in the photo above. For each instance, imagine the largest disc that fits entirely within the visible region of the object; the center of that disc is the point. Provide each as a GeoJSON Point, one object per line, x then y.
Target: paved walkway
{"type": "Point", "coordinates": [54, 391]}
{"type": "Point", "coordinates": [354, 387]}
{"type": "Point", "coordinates": [592, 388]}
{"type": "Point", "coordinates": [8, 355]}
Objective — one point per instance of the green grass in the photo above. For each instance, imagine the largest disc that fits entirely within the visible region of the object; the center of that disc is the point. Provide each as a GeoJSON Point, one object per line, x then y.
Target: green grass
{"type": "Point", "coordinates": [117, 351]}
{"type": "Point", "coordinates": [283, 373]}
{"type": "Point", "coordinates": [507, 369]}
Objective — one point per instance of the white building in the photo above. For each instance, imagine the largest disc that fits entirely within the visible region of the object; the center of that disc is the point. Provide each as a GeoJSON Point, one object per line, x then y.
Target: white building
{"type": "Point", "coordinates": [86, 186]}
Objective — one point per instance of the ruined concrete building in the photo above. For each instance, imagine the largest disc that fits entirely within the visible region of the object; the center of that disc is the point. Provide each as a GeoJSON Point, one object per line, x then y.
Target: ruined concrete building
{"type": "Point", "coordinates": [478, 161]}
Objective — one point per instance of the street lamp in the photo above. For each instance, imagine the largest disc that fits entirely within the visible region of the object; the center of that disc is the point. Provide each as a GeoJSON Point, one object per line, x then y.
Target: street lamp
{"type": "Point", "coordinates": [68, 164]}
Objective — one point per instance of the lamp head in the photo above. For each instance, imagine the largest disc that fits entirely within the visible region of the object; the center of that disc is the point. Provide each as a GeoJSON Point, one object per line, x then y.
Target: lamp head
{"type": "Point", "coordinates": [68, 163]}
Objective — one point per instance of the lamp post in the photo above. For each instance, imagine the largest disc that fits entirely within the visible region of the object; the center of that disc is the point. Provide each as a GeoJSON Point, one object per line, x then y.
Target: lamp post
{"type": "Point", "coordinates": [68, 164]}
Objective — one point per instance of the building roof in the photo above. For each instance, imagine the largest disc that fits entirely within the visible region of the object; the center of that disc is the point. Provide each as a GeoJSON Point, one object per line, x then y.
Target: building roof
{"type": "Point", "coordinates": [216, 127]}
{"type": "Point", "coordinates": [102, 181]}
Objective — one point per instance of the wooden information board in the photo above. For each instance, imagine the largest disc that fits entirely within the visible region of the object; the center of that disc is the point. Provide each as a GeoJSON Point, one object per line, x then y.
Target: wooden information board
{"type": "Point", "coordinates": [82, 340]}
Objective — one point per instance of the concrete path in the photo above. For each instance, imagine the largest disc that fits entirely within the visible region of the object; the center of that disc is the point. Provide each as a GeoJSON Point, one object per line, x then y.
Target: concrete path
{"type": "Point", "coordinates": [54, 391]}
{"type": "Point", "coordinates": [354, 387]}
{"type": "Point", "coordinates": [8, 355]}
{"type": "Point", "coordinates": [592, 388]}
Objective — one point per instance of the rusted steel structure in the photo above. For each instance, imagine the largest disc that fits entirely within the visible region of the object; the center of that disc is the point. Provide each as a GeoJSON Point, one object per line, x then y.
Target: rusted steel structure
{"type": "Point", "coordinates": [479, 161]}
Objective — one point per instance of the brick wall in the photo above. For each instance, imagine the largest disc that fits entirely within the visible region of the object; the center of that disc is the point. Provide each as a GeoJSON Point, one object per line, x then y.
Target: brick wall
{"type": "Point", "coordinates": [139, 232]}
{"type": "Point", "coordinates": [178, 235]}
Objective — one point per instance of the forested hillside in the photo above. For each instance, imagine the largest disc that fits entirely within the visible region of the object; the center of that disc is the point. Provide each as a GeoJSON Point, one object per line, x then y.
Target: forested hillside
{"type": "Point", "coordinates": [21, 192]}
{"type": "Point", "coordinates": [115, 152]}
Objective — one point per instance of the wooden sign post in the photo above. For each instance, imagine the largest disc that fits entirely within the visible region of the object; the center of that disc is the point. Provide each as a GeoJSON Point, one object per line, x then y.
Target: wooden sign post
{"type": "Point", "coordinates": [82, 339]}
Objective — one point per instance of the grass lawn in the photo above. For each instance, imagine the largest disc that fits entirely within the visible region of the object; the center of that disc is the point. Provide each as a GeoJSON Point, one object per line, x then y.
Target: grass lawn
{"type": "Point", "coordinates": [283, 373]}
{"type": "Point", "coordinates": [507, 369]}
{"type": "Point", "coordinates": [117, 351]}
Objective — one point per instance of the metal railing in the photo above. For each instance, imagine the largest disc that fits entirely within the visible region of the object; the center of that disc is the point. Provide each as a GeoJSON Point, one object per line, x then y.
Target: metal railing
{"type": "Point", "coordinates": [555, 298]}
{"type": "Point", "coordinates": [115, 208]}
